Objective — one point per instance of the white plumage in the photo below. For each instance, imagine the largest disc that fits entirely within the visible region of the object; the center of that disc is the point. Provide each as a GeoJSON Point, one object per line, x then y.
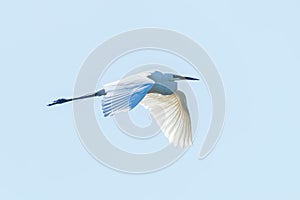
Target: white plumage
{"type": "Point", "coordinates": [156, 91]}
{"type": "Point", "coordinates": [172, 115]}
{"type": "Point", "coordinates": [125, 94]}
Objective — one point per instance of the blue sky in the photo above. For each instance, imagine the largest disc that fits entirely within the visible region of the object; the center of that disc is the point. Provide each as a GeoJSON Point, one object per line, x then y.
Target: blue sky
{"type": "Point", "coordinates": [255, 46]}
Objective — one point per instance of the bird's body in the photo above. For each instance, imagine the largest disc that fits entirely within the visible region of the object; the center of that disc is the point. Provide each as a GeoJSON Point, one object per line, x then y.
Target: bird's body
{"type": "Point", "coordinates": [156, 91]}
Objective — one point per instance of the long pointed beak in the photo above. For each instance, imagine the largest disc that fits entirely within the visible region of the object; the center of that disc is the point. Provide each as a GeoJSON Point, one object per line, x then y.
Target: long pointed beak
{"type": "Point", "coordinates": [185, 78]}
{"type": "Point", "coordinates": [190, 78]}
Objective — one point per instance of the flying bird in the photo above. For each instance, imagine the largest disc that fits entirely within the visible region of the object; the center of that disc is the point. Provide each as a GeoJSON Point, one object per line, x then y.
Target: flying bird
{"type": "Point", "coordinates": [157, 92]}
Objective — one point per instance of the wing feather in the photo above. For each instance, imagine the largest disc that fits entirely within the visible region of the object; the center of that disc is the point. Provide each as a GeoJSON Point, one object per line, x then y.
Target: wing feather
{"type": "Point", "coordinates": [172, 115]}
{"type": "Point", "coordinates": [125, 94]}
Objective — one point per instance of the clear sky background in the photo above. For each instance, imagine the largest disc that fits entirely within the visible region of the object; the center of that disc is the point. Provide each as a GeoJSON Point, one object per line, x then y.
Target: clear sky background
{"type": "Point", "coordinates": [255, 46]}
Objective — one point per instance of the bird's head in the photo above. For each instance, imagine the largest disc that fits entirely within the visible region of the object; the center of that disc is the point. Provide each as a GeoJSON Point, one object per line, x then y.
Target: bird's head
{"type": "Point", "coordinates": [161, 76]}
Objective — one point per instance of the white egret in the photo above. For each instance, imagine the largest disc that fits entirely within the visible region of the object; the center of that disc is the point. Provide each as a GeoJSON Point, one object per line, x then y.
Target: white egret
{"type": "Point", "coordinates": [156, 91]}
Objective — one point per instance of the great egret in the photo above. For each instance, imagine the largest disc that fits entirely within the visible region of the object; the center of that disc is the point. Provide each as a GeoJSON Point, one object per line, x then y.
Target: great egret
{"type": "Point", "coordinates": [157, 91]}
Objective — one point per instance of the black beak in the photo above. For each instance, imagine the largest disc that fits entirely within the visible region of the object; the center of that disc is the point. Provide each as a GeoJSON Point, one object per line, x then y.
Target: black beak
{"type": "Point", "coordinates": [185, 78]}
{"type": "Point", "coordinates": [190, 78]}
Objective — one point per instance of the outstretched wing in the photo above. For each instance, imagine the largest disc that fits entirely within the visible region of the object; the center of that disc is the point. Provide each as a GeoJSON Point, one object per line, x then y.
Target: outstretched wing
{"type": "Point", "coordinates": [172, 115]}
{"type": "Point", "coordinates": [125, 94]}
